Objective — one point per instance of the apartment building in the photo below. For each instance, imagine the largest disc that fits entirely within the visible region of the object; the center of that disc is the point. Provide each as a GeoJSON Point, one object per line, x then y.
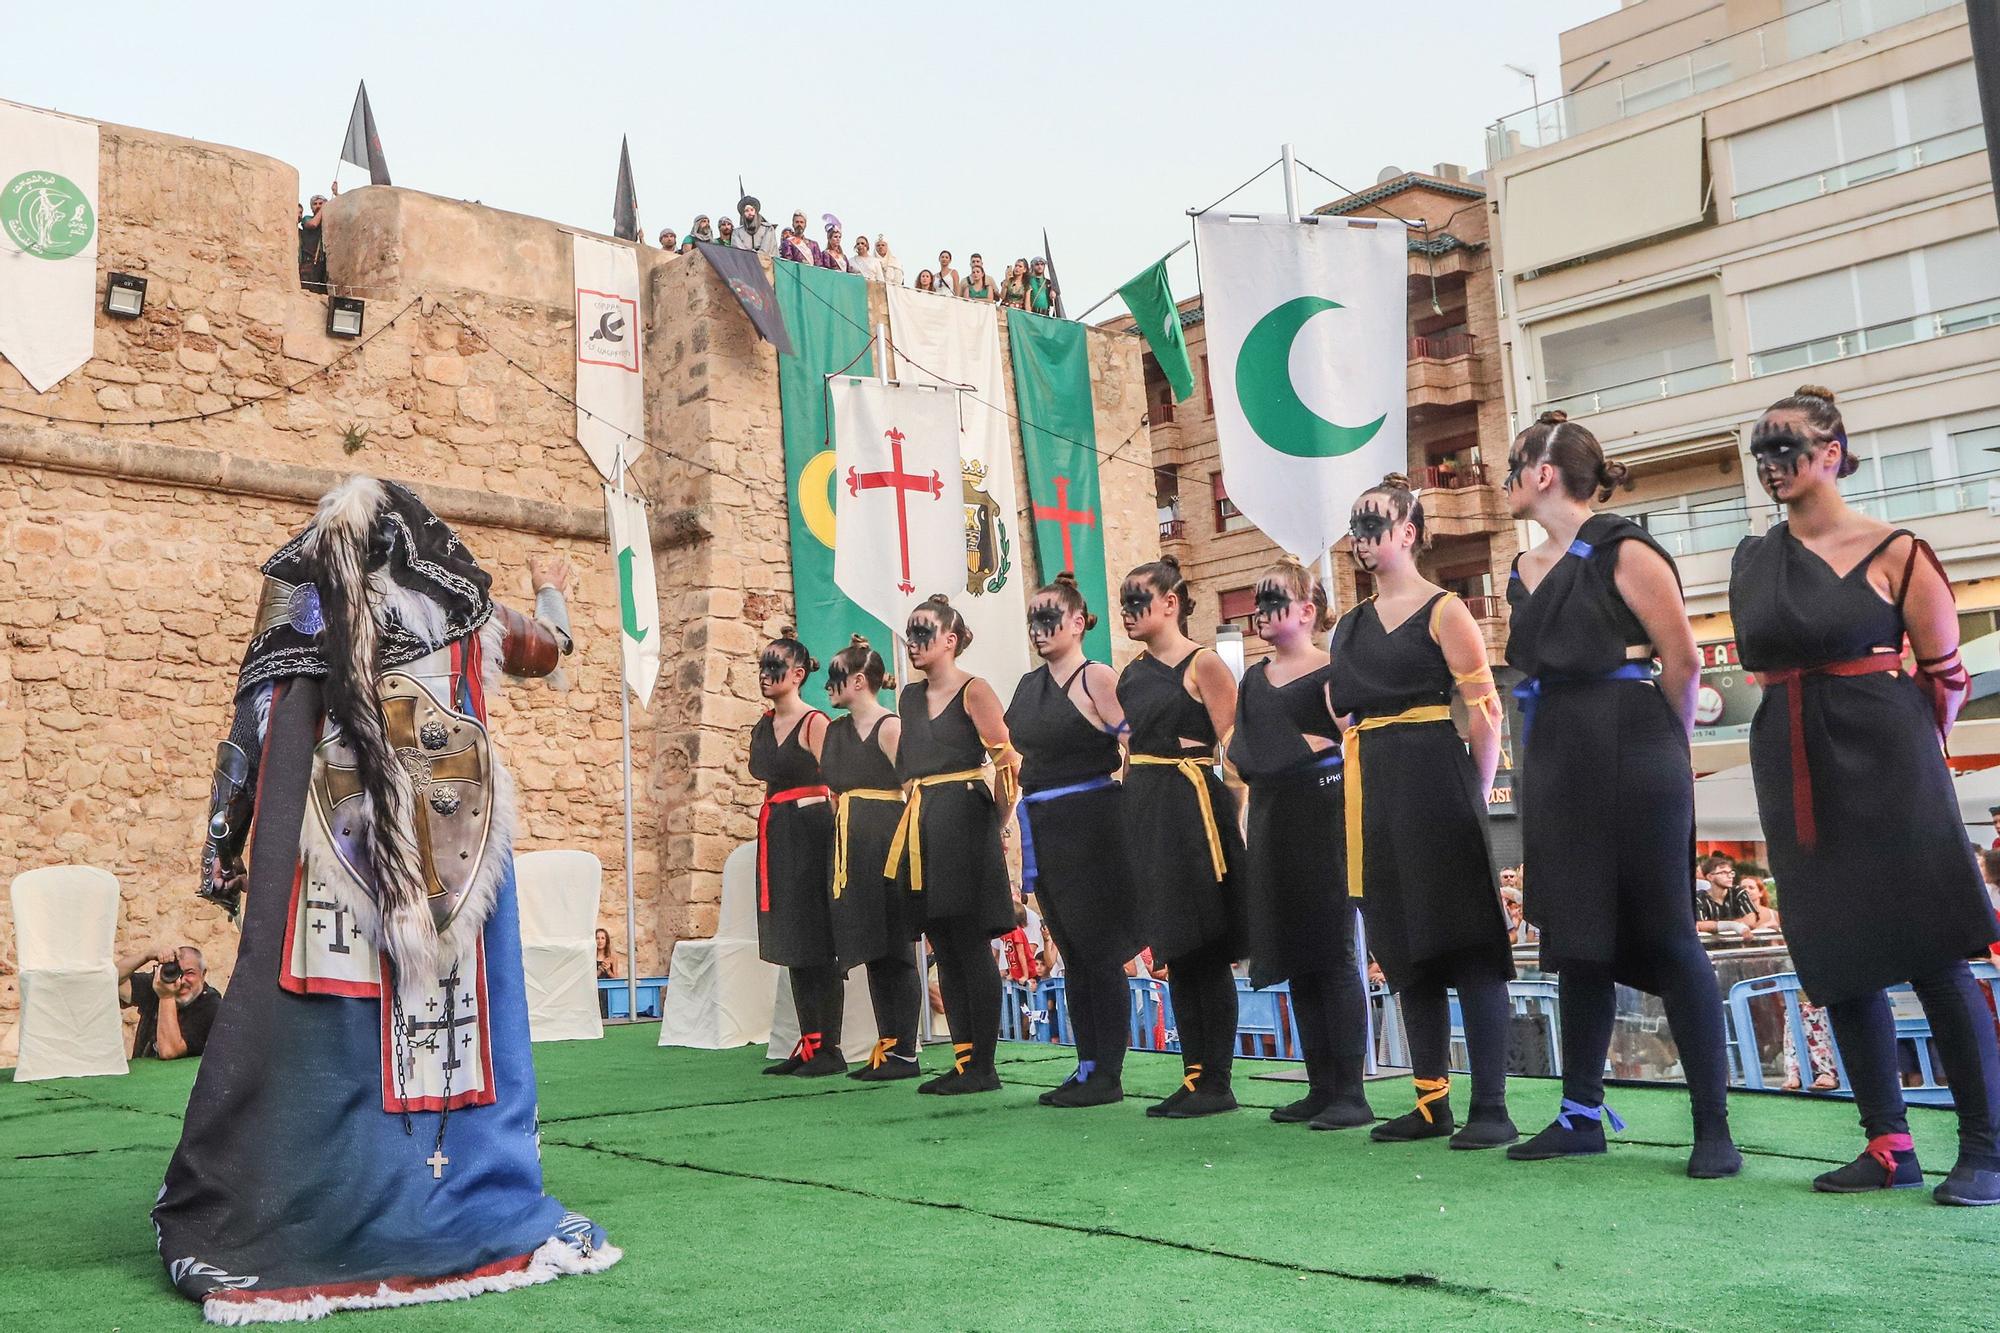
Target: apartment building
{"type": "Point", "coordinates": [1735, 197]}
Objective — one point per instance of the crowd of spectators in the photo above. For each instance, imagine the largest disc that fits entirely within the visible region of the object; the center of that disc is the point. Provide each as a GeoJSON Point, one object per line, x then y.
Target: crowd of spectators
{"type": "Point", "coordinates": [1028, 284]}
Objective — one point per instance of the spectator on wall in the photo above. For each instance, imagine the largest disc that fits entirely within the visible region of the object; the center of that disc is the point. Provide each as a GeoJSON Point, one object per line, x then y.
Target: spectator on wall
{"type": "Point", "coordinates": [1014, 291]}
{"type": "Point", "coordinates": [1721, 903]}
{"type": "Point", "coordinates": [752, 231]}
{"type": "Point", "coordinates": [977, 286]}
{"type": "Point", "coordinates": [1760, 898]}
{"type": "Point", "coordinates": [833, 254]}
{"type": "Point", "coordinates": [701, 230]}
{"type": "Point", "coordinates": [668, 240]}
{"type": "Point", "coordinates": [926, 280]}
{"type": "Point", "coordinates": [948, 280]}
{"type": "Point", "coordinates": [312, 245]}
{"type": "Point", "coordinates": [725, 232]}
{"type": "Point", "coordinates": [798, 249]}
{"type": "Point", "coordinates": [892, 267]}
{"type": "Point", "coordinates": [1041, 288]}
{"type": "Point", "coordinates": [864, 261]}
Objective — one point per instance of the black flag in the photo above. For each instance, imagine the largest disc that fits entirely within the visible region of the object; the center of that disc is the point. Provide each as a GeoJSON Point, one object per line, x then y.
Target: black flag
{"type": "Point", "coordinates": [744, 272]}
{"type": "Point", "coordinates": [1055, 286]}
{"type": "Point", "coordinates": [363, 147]}
{"type": "Point", "coordinates": [625, 204]}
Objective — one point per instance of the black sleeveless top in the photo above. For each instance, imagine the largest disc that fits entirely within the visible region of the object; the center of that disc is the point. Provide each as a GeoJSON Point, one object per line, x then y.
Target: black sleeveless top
{"type": "Point", "coordinates": [1160, 711]}
{"type": "Point", "coordinates": [1273, 721]}
{"type": "Point", "coordinates": [1575, 623]}
{"type": "Point", "coordinates": [1379, 672]}
{"type": "Point", "coordinates": [783, 767]}
{"type": "Point", "coordinates": [947, 745]}
{"type": "Point", "coordinates": [1792, 610]}
{"type": "Point", "coordinates": [851, 762]}
{"type": "Point", "coordinates": [1058, 744]}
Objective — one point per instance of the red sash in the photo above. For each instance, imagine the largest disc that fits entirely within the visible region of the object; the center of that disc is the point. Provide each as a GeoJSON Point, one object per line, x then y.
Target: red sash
{"type": "Point", "coordinates": [1793, 679]}
{"type": "Point", "coordinates": [764, 840]}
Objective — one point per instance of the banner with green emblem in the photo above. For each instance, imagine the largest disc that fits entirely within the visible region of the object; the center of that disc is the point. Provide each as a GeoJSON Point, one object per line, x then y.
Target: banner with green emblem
{"type": "Point", "coordinates": [48, 242]}
{"type": "Point", "coordinates": [826, 313]}
{"type": "Point", "coordinates": [1059, 446]}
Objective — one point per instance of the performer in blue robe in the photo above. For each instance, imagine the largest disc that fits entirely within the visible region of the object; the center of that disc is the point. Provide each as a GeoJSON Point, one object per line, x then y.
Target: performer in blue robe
{"type": "Point", "coordinates": [363, 1131]}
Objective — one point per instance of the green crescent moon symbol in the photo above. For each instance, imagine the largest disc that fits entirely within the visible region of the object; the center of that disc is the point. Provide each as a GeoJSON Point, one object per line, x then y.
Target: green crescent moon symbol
{"type": "Point", "coordinates": [628, 598]}
{"type": "Point", "coordinates": [1271, 403]}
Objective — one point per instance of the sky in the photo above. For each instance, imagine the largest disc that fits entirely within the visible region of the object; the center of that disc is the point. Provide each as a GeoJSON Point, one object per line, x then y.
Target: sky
{"type": "Point", "coordinates": [963, 126]}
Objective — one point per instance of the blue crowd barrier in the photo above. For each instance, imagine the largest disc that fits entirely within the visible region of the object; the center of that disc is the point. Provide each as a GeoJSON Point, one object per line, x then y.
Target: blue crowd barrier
{"type": "Point", "coordinates": [613, 997]}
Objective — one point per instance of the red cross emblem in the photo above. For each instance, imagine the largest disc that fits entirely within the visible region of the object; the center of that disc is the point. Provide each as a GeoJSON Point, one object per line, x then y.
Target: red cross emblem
{"type": "Point", "coordinates": [1060, 513]}
{"type": "Point", "coordinates": [903, 484]}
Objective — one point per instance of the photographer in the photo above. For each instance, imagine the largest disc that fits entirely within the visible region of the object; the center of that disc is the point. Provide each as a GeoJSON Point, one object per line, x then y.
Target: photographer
{"type": "Point", "coordinates": [169, 1031]}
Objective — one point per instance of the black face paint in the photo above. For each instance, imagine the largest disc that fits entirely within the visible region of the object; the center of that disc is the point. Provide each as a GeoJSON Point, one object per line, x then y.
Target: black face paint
{"type": "Point", "coordinates": [1780, 453]}
{"type": "Point", "coordinates": [1135, 600]}
{"type": "Point", "coordinates": [1272, 602]}
{"type": "Point", "coordinates": [1369, 525]}
{"type": "Point", "coordinates": [773, 667]}
{"type": "Point", "coordinates": [921, 634]}
{"type": "Point", "coordinates": [1515, 467]}
{"type": "Point", "coordinates": [836, 679]}
{"type": "Point", "coordinates": [1044, 621]}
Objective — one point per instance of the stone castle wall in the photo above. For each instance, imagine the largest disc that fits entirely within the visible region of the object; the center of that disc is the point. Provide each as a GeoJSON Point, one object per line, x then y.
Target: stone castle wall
{"type": "Point", "coordinates": [128, 552]}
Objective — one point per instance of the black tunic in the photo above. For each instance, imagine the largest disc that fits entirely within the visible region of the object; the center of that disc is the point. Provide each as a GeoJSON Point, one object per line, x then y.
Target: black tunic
{"type": "Point", "coordinates": [1182, 905]}
{"type": "Point", "coordinates": [1428, 893]}
{"type": "Point", "coordinates": [965, 871]}
{"type": "Point", "coordinates": [870, 918]}
{"type": "Point", "coordinates": [1295, 885]}
{"type": "Point", "coordinates": [794, 926]}
{"type": "Point", "coordinates": [1083, 884]}
{"type": "Point", "coordinates": [1603, 776]}
{"type": "Point", "coordinates": [1890, 891]}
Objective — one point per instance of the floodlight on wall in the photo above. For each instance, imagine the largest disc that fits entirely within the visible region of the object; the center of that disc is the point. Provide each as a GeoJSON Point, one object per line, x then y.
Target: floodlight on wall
{"type": "Point", "coordinates": [124, 295]}
{"type": "Point", "coordinates": [343, 316]}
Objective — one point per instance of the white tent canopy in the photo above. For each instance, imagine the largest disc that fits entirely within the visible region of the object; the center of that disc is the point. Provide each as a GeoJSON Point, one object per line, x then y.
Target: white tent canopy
{"type": "Point", "coordinates": [1725, 805]}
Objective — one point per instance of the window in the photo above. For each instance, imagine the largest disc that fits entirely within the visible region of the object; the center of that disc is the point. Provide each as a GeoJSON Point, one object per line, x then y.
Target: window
{"type": "Point", "coordinates": [1632, 352]}
{"type": "Point", "coordinates": [1977, 455]}
{"type": "Point", "coordinates": [1712, 520]}
{"type": "Point", "coordinates": [1235, 607]}
{"type": "Point", "coordinates": [1926, 467]}
{"type": "Point", "coordinates": [1228, 518]}
{"type": "Point", "coordinates": [1941, 289]}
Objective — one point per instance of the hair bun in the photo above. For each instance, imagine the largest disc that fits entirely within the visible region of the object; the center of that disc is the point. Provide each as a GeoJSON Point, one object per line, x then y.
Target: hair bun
{"type": "Point", "coordinates": [787, 632]}
{"type": "Point", "coordinates": [937, 599]}
{"type": "Point", "coordinates": [1067, 578]}
{"type": "Point", "coordinates": [1814, 391]}
{"type": "Point", "coordinates": [857, 641]}
{"type": "Point", "coordinates": [1172, 562]}
{"type": "Point", "coordinates": [1553, 417]}
{"type": "Point", "coordinates": [1396, 481]}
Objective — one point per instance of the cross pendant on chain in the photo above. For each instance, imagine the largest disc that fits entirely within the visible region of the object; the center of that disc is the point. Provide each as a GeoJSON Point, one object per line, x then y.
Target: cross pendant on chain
{"type": "Point", "coordinates": [437, 1162]}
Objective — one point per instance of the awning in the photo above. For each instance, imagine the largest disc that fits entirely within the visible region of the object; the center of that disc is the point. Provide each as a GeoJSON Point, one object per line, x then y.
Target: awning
{"type": "Point", "coordinates": [1725, 805]}
{"type": "Point", "coordinates": [1607, 197]}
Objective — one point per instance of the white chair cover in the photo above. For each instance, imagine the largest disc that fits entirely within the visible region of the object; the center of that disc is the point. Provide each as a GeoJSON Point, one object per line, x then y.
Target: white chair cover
{"type": "Point", "coordinates": [65, 918]}
{"type": "Point", "coordinates": [721, 993]}
{"type": "Point", "coordinates": [558, 893]}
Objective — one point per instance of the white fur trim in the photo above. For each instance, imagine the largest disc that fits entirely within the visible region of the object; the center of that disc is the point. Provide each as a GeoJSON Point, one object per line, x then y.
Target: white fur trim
{"type": "Point", "coordinates": [492, 649]}
{"type": "Point", "coordinates": [350, 507]}
{"type": "Point", "coordinates": [556, 1258]}
{"type": "Point", "coordinates": [419, 615]}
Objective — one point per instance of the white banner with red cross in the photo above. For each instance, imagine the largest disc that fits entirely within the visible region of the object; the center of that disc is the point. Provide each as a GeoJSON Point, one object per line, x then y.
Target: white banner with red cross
{"type": "Point", "coordinates": [899, 519]}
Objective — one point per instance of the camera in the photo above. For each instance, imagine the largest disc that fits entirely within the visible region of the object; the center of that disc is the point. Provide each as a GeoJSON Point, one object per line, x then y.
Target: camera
{"type": "Point", "coordinates": [170, 971]}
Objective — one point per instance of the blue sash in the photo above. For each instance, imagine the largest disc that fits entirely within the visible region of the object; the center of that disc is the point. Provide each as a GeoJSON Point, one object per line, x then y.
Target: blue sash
{"type": "Point", "coordinates": [1529, 692]}
{"type": "Point", "coordinates": [1028, 870]}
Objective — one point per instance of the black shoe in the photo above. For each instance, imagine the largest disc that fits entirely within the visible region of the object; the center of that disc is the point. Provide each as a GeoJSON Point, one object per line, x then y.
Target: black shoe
{"type": "Point", "coordinates": [893, 1067]}
{"type": "Point", "coordinates": [1086, 1087]}
{"type": "Point", "coordinates": [1486, 1129]}
{"type": "Point", "coordinates": [1304, 1109]}
{"type": "Point", "coordinates": [1868, 1173]}
{"type": "Point", "coordinates": [826, 1062]}
{"type": "Point", "coordinates": [1969, 1186]}
{"type": "Point", "coordinates": [1432, 1118]}
{"type": "Point", "coordinates": [784, 1066]}
{"type": "Point", "coordinates": [961, 1052]}
{"type": "Point", "coordinates": [1350, 1112]}
{"type": "Point", "coordinates": [1160, 1109]}
{"type": "Point", "coordinates": [972, 1080]}
{"type": "Point", "coordinates": [1577, 1131]}
{"type": "Point", "coordinates": [1203, 1101]}
{"type": "Point", "coordinates": [1714, 1158]}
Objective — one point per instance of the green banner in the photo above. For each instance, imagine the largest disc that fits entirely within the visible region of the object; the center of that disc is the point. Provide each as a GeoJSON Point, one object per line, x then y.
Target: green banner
{"type": "Point", "coordinates": [1151, 301]}
{"type": "Point", "coordinates": [1059, 444]}
{"type": "Point", "coordinates": [826, 313]}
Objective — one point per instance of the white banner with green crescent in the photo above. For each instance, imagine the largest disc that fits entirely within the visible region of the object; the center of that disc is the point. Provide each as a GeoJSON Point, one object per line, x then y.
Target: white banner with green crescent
{"type": "Point", "coordinates": [1305, 323]}
{"type": "Point", "coordinates": [48, 242]}
{"type": "Point", "coordinates": [638, 597]}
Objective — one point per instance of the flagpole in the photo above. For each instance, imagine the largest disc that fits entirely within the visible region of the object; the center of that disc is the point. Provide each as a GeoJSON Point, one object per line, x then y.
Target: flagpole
{"type": "Point", "coordinates": [625, 732]}
{"type": "Point", "coordinates": [1140, 274]}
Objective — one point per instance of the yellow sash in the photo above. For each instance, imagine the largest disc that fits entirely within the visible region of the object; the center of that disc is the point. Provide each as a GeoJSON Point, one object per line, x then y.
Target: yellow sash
{"type": "Point", "coordinates": [1193, 769]}
{"type": "Point", "coordinates": [1350, 747]}
{"type": "Point", "coordinates": [910, 829]}
{"type": "Point", "coordinates": [841, 806]}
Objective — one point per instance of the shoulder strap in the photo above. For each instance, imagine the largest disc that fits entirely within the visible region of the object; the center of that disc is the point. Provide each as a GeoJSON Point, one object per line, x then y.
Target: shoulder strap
{"type": "Point", "coordinates": [1438, 605]}
{"type": "Point", "coordinates": [1918, 546]}
{"type": "Point", "coordinates": [1074, 674]}
{"type": "Point", "coordinates": [1187, 663]}
{"type": "Point", "coordinates": [880, 722]}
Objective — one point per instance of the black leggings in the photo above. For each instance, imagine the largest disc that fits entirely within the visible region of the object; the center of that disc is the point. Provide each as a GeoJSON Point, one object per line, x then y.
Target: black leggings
{"type": "Point", "coordinates": [897, 996]}
{"type": "Point", "coordinates": [970, 980]}
{"type": "Point", "coordinates": [1589, 1002]}
{"type": "Point", "coordinates": [1100, 1015]}
{"type": "Point", "coordinates": [819, 994]}
{"type": "Point", "coordinates": [1331, 1008]}
{"type": "Point", "coordinates": [1203, 987]}
{"type": "Point", "coordinates": [1483, 1005]}
{"type": "Point", "coordinates": [1962, 1027]}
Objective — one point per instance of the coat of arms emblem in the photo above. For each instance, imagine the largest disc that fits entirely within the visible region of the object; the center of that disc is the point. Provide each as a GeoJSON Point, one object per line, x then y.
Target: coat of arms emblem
{"type": "Point", "coordinates": [989, 546]}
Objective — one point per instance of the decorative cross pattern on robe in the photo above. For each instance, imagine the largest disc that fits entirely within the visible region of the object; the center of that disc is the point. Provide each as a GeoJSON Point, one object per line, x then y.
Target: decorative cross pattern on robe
{"type": "Point", "coordinates": [903, 484]}
{"type": "Point", "coordinates": [317, 912]}
{"type": "Point", "coordinates": [442, 1039]}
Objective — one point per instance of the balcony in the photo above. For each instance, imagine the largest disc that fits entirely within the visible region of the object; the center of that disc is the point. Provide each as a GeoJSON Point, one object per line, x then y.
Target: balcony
{"type": "Point", "coordinates": [1876, 338]}
{"type": "Point", "coordinates": [1460, 502]}
{"type": "Point", "coordinates": [1173, 529]}
{"type": "Point", "coordinates": [1802, 33]}
{"type": "Point", "coordinates": [1441, 346]}
{"type": "Point", "coordinates": [1942, 148]}
{"type": "Point", "coordinates": [1444, 371]}
{"type": "Point", "coordinates": [1674, 382]}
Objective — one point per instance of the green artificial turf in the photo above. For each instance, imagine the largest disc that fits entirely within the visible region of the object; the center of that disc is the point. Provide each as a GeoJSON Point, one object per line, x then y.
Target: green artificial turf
{"type": "Point", "coordinates": [757, 1203]}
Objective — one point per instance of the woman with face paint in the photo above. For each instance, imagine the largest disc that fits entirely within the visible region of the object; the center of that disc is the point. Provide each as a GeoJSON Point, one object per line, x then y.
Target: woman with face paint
{"type": "Point", "coordinates": [946, 852]}
{"type": "Point", "coordinates": [1181, 840]}
{"type": "Point", "coordinates": [1286, 744]}
{"type": "Point", "coordinates": [1854, 793]}
{"type": "Point", "coordinates": [1065, 720]}
{"type": "Point", "coordinates": [794, 835]}
{"type": "Point", "coordinates": [1606, 788]}
{"type": "Point", "coordinates": [873, 925]}
{"type": "Point", "coordinates": [1415, 811]}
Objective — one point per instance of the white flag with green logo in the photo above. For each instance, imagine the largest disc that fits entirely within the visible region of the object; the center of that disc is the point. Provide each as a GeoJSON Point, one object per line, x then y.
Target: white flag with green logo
{"type": "Point", "coordinates": [638, 598]}
{"type": "Point", "coordinates": [1306, 328]}
{"type": "Point", "coordinates": [48, 242]}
